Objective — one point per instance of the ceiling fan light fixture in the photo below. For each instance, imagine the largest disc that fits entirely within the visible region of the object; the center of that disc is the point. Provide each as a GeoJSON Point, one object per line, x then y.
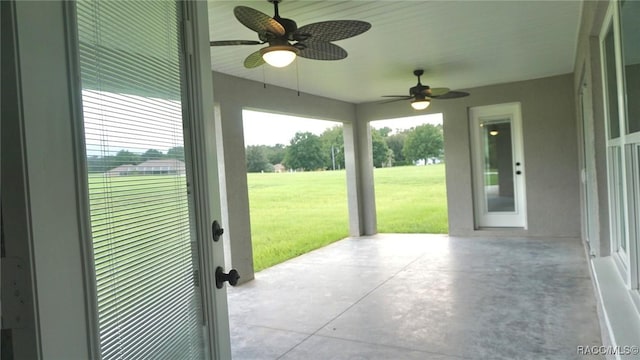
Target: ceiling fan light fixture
{"type": "Point", "coordinates": [420, 104]}
{"type": "Point", "coordinates": [279, 55]}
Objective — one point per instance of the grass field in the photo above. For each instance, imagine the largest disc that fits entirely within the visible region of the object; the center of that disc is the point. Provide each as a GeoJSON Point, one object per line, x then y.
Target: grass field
{"type": "Point", "coordinates": [411, 199]}
{"type": "Point", "coordinates": [293, 213]}
{"type": "Point", "coordinates": [142, 247]}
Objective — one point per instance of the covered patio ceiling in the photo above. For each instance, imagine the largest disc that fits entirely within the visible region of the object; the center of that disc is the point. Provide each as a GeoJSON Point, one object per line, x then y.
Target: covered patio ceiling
{"type": "Point", "coordinates": [459, 44]}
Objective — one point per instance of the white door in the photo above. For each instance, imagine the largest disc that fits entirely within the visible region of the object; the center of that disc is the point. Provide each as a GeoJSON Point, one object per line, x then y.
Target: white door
{"type": "Point", "coordinates": [151, 180]}
{"type": "Point", "coordinates": [498, 166]}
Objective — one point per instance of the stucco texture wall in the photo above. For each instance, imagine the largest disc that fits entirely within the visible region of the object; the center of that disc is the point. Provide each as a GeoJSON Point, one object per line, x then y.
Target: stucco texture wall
{"type": "Point", "coordinates": [550, 152]}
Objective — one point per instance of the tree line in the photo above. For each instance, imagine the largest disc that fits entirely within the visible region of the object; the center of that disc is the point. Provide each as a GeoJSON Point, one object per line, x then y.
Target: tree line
{"type": "Point", "coordinates": [307, 151]}
{"type": "Point", "coordinates": [125, 157]}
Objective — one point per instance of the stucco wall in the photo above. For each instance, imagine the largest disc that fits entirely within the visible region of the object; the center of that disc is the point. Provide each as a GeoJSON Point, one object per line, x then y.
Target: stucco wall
{"type": "Point", "coordinates": [550, 151]}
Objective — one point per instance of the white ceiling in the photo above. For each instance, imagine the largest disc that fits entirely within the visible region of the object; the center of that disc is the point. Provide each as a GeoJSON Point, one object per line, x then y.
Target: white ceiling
{"type": "Point", "coordinates": [459, 44]}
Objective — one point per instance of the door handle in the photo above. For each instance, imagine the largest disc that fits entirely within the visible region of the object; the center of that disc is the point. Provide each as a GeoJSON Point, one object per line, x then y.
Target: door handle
{"type": "Point", "coordinates": [232, 277]}
{"type": "Point", "coordinates": [216, 230]}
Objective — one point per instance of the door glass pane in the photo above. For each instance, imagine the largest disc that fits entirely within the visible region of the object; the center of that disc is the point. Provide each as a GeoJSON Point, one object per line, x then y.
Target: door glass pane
{"type": "Point", "coordinates": [611, 84]}
{"type": "Point", "coordinates": [147, 297]}
{"type": "Point", "coordinates": [618, 199]}
{"type": "Point", "coordinates": [629, 15]}
{"type": "Point", "coordinates": [498, 166]}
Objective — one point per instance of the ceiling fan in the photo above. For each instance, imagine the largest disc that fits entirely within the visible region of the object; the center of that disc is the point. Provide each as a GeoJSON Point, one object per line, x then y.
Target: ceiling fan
{"type": "Point", "coordinates": [422, 94]}
{"type": "Point", "coordinates": [286, 40]}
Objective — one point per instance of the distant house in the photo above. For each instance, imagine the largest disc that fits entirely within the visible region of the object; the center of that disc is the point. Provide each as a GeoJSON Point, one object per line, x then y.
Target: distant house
{"type": "Point", "coordinates": [150, 167]}
{"type": "Point", "coordinates": [279, 168]}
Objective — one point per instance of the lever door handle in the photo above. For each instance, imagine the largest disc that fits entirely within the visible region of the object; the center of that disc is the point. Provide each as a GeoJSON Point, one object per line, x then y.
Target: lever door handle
{"type": "Point", "coordinates": [232, 277]}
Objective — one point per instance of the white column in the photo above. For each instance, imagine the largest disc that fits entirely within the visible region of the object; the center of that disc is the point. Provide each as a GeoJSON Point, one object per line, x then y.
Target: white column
{"type": "Point", "coordinates": [360, 184]}
{"type": "Point", "coordinates": [234, 193]}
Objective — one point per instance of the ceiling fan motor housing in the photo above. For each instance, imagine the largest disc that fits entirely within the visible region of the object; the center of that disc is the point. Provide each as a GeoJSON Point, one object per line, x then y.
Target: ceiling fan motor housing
{"type": "Point", "coordinates": [419, 90]}
{"type": "Point", "coordinates": [289, 26]}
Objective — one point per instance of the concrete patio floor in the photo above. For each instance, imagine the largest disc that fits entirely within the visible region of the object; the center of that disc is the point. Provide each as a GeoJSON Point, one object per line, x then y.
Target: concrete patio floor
{"type": "Point", "coordinates": [420, 297]}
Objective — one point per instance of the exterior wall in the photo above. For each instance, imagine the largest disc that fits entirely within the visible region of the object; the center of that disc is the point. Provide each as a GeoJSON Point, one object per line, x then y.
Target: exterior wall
{"type": "Point", "coordinates": [550, 151]}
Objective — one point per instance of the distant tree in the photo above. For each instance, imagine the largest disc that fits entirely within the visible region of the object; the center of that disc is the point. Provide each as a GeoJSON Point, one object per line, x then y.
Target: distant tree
{"type": "Point", "coordinates": [275, 154]}
{"type": "Point", "coordinates": [176, 153]}
{"type": "Point", "coordinates": [256, 159]}
{"type": "Point", "coordinates": [152, 154]}
{"type": "Point", "coordinates": [126, 157]}
{"type": "Point", "coordinates": [333, 143]}
{"type": "Point", "coordinates": [379, 150]}
{"type": "Point", "coordinates": [98, 164]}
{"type": "Point", "coordinates": [395, 142]}
{"type": "Point", "coordinates": [391, 161]}
{"type": "Point", "coordinates": [424, 142]}
{"type": "Point", "coordinates": [385, 131]}
{"type": "Point", "coordinates": [305, 152]}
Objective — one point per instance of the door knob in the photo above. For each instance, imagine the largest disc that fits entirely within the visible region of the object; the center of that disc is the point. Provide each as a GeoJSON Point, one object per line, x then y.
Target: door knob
{"type": "Point", "coordinates": [232, 277]}
{"type": "Point", "coordinates": [216, 230]}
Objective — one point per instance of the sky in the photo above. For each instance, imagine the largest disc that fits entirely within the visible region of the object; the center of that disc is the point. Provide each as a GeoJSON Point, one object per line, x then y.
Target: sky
{"type": "Point", "coordinates": [270, 129]}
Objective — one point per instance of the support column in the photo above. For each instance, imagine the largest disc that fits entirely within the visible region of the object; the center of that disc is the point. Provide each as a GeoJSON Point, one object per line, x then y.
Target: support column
{"type": "Point", "coordinates": [360, 184]}
{"type": "Point", "coordinates": [234, 193]}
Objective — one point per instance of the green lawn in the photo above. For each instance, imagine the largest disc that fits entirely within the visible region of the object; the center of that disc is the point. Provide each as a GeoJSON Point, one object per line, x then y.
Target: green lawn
{"type": "Point", "coordinates": [411, 199]}
{"type": "Point", "coordinates": [140, 230]}
{"type": "Point", "coordinates": [293, 213]}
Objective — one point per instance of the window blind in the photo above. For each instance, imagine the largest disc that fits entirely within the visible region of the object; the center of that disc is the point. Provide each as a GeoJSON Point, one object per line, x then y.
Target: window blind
{"type": "Point", "coordinates": [130, 59]}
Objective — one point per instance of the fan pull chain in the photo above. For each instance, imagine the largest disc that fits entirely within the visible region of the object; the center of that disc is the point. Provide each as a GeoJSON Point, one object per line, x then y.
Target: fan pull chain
{"type": "Point", "coordinates": [264, 77]}
{"type": "Point", "coordinates": [297, 77]}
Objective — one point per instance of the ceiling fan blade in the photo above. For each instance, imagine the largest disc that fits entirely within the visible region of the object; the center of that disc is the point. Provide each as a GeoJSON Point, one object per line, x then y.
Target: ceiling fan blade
{"type": "Point", "coordinates": [436, 92]}
{"type": "Point", "coordinates": [399, 96]}
{"type": "Point", "coordinates": [331, 30]}
{"type": "Point", "coordinates": [254, 60]}
{"type": "Point", "coordinates": [452, 95]}
{"type": "Point", "coordinates": [235, 42]}
{"type": "Point", "coordinates": [258, 21]}
{"type": "Point", "coordinates": [322, 51]}
{"type": "Point", "coordinates": [403, 98]}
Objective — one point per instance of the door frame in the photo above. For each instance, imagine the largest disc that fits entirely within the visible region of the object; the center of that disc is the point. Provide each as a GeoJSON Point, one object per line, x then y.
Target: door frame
{"type": "Point", "coordinates": [482, 219]}
{"type": "Point", "coordinates": [201, 151]}
{"type": "Point", "coordinates": [588, 173]}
